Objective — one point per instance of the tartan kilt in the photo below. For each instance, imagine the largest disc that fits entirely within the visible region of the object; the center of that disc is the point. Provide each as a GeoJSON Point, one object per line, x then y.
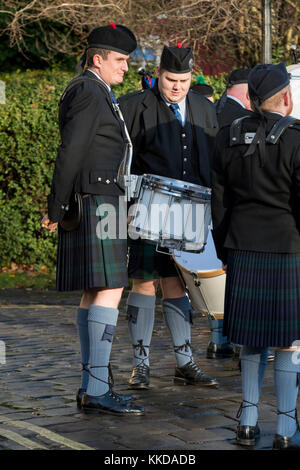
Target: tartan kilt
{"type": "Point", "coordinates": [86, 258]}
{"type": "Point", "coordinates": [145, 262]}
{"type": "Point", "coordinates": [262, 299]}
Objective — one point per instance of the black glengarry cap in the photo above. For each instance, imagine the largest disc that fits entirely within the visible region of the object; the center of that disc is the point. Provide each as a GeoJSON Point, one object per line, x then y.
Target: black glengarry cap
{"type": "Point", "coordinates": [238, 76]}
{"type": "Point", "coordinates": [265, 80]}
{"type": "Point", "coordinates": [177, 59]}
{"type": "Point", "coordinates": [113, 37]}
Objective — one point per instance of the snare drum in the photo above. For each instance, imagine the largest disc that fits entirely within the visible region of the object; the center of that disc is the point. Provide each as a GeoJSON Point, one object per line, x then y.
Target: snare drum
{"type": "Point", "coordinates": [204, 279]}
{"type": "Point", "coordinates": [294, 70]}
{"type": "Point", "coordinates": [171, 213]}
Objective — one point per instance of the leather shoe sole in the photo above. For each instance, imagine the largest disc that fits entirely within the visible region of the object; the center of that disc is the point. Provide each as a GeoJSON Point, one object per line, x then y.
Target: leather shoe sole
{"type": "Point", "coordinates": [184, 381]}
{"type": "Point", "coordinates": [138, 386]}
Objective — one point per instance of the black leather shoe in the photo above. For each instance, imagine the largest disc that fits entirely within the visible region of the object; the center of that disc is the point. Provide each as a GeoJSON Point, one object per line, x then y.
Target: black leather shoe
{"type": "Point", "coordinates": [247, 435]}
{"type": "Point", "coordinates": [110, 404]}
{"type": "Point", "coordinates": [190, 374]}
{"type": "Point", "coordinates": [287, 443]}
{"type": "Point", "coordinates": [140, 377]}
{"type": "Point", "coordinates": [81, 391]}
{"type": "Point", "coordinates": [216, 351]}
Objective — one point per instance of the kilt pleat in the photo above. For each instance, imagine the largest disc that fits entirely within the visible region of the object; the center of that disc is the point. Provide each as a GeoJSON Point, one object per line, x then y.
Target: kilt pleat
{"type": "Point", "coordinates": [85, 257]}
{"type": "Point", "coordinates": [145, 262]}
{"type": "Point", "coordinates": [262, 299]}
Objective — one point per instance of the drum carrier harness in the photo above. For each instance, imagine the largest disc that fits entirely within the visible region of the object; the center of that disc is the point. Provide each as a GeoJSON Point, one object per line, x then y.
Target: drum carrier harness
{"type": "Point", "coordinates": [252, 138]}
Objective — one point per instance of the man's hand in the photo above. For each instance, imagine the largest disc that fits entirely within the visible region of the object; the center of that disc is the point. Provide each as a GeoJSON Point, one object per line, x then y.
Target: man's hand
{"type": "Point", "coordinates": [48, 225]}
{"type": "Point", "coordinates": [224, 267]}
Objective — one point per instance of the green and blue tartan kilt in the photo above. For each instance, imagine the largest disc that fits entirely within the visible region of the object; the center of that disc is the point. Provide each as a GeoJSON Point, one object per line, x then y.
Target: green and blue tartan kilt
{"type": "Point", "coordinates": [145, 262]}
{"type": "Point", "coordinates": [262, 299]}
{"type": "Point", "coordinates": [86, 258]}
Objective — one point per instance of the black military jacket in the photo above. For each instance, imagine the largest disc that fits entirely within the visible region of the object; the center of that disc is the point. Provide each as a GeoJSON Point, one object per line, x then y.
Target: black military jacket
{"type": "Point", "coordinates": [159, 141]}
{"type": "Point", "coordinates": [255, 203]}
{"type": "Point", "coordinates": [231, 111]}
{"type": "Point", "coordinates": [92, 147]}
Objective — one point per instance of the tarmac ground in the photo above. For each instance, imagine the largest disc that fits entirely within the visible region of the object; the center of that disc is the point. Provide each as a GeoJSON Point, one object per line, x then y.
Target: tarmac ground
{"type": "Point", "coordinates": [40, 373]}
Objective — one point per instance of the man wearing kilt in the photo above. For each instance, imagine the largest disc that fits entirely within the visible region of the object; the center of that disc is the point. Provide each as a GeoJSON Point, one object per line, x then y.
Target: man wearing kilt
{"type": "Point", "coordinates": [234, 103]}
{"type": "Point", "coordinates": [92, 148]}
{"type": "Point", "coordinates": [256, 220]}
{"type": "Point", "coordinates": [172, 130]}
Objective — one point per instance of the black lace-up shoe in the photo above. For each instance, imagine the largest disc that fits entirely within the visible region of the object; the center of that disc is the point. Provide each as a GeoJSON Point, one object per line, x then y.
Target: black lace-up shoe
{"type": "Point", "coordinates": [247, 435]}
{"type": "Point", "coordinates": [120, 397]}
{"type": "Point", "coordinates": [284, 442]}
{"type": "Point", "coordinates": [109, 403]}
{"type": "Point", "coordinates": [287, 443]}
{"type": "Point", "coordinates": [190, 374]}
{"type": "Point", "coordinates": [219, 351]}
{"type": "Point", "coordinates": [140, 377]}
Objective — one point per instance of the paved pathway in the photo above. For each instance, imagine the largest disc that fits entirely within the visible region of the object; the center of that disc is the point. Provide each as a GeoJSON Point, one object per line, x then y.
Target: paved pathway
{"type": "Point", "coordinates": [42, 373]}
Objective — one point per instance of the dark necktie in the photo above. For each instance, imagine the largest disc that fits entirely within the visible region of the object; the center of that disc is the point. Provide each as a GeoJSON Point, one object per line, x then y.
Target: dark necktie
{"type": "Point", "coordinates": [175, 109]}
{"type": "Point", "coordinates": [113, 98]}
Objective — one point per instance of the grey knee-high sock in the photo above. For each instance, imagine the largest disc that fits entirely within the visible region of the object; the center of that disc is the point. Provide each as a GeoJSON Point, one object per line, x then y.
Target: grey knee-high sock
{"type": "Point", "coordinates": [253, 363]}
{"type": "Point", "coordinates": [178, 319]}
{"type": "Point", "coordinates": [286, 375]}
{"type": "Point", "coordinates": [101, 324]}
{"type": "Point", "coordinates": [216, 326]}
{"type": "Point", "coordinates": [83, 333]}
{"type": "Point", "coordinates": [140, 316]}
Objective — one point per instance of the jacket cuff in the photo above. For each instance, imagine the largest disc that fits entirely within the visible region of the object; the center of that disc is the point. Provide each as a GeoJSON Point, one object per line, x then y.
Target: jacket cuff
{"type": "Point", "coordinates": [56, 209]}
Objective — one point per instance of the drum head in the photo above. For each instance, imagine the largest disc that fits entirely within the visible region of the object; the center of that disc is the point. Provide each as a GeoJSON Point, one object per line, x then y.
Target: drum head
{"type": "Point", "coordinates": [199, 262]}
{"type": "Point", "coordinates": [294, 70]}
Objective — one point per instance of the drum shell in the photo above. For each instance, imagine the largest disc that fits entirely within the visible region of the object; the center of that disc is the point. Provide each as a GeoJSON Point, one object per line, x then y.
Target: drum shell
{"type": "Point", "coordinates": [206, 291]}
{"type": "Point", "coordinates": [204, 279]}
{"type": "Point", "coordinates": [161, 199]}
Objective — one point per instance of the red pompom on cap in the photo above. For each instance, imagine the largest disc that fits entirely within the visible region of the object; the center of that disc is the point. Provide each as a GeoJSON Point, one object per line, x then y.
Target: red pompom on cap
{"type": "Point", "coordinates": [179, 45]}
{"type": "Point", "coordinates": [112, 25]}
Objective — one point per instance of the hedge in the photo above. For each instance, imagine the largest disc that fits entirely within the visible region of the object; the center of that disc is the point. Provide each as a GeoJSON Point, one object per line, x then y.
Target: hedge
{"type": "Point", "coordinates": [29, 138]}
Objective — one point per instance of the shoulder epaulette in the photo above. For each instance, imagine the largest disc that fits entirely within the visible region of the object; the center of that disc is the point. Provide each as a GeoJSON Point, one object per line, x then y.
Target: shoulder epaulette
{"type": "Point", "coordinates": [236, 136]}
{"type": "Point", "coordinates": [280, 127]}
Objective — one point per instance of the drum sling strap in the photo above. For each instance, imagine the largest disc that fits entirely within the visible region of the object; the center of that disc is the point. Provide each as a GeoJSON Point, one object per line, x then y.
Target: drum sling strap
{"type": "Point", "coordinates": [259, 137]}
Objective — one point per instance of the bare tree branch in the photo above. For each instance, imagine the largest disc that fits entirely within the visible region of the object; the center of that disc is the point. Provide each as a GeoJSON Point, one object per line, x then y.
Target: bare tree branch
{"type": "Point", "coordinates": [230, 27]}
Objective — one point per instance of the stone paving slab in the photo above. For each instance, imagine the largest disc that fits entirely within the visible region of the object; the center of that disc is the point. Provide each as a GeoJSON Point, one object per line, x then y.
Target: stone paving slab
{"type": "Point", "coordinates": [39, 380]}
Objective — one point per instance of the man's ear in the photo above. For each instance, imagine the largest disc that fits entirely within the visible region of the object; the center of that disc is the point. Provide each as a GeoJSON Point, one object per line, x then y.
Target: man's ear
{"type": "Point", "coordinates": [97, 60]}
{"type": "Point", "coordinates": [157, 70]}
{"type": "Point", "coordinates": [287, 98]}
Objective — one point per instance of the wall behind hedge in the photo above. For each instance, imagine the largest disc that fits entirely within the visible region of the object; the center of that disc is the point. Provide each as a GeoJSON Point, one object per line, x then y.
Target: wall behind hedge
{"type": "Point", "coordinates": [29, 138]}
